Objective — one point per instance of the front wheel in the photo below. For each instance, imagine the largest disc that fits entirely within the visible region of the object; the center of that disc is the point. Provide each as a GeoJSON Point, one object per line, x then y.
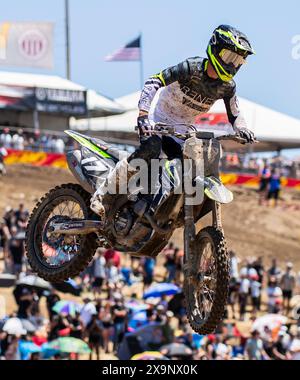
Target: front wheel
{"type": "Point", "coordinates": [206, 291]}
{"type": "Point", "coordinates": [55, 257]}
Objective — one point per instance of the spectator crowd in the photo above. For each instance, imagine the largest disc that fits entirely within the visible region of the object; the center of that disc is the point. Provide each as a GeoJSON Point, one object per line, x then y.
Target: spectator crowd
{"type": "Point", "coordinates": [110, 308]}
{"type": "Point", "coordinates": [20, 139]}
{"type": "Point", "coordinates": [12, 235]}
{"type": "Point", "coordinates": [25, 139]}
{"type": "Point", "coordinates": [40, 141]}
{"type": "Point", "coordinates": [255, 165]}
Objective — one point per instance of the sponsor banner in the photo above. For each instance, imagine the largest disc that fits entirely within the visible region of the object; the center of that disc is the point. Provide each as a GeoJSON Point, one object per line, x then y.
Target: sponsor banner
{"type": "Point", "coordinates": [253, 181]}
{"type": "Point", "coordinates": [68, 102]}
{"type": "Point", "coordinates": [238, 179]}
{"type": "Point", "coordinates": [59, 161]}
{"type": "Point", "coordinates": [26, 44]}
{"type": "Point", "coordinates": [36, 158]}
{"type": "Point", "coordinates": [48, 100]}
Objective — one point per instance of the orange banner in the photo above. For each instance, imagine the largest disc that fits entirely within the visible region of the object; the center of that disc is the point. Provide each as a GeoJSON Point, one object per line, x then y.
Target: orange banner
{"type": "Point", "coordinates": [253, 181]}
{"type": "Point", "coordinates": [36, 158]}
{"type": "Point", "coordinates": [59, 161]}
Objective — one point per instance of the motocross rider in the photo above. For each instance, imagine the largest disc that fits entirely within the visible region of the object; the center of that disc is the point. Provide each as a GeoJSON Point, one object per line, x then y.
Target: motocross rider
{"type": "Point", "coordinates": [179, 93]}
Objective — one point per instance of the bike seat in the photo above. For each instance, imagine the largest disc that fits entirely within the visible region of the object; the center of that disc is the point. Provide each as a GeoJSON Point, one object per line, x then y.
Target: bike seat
{"type": "Point", "coordinates": [111, 150]}
{"type": "Point", "coordinates": [105, 147]}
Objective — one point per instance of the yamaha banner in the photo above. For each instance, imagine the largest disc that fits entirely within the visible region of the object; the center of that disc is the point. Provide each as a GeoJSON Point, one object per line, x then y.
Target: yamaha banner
{"type": "Point", "coordinates": [68, 102]}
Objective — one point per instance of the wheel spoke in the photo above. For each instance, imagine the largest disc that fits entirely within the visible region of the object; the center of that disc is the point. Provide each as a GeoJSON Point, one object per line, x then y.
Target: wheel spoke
{"type": "Point", "coordinates": [59, 208]}
{"type": "Point", "coordinates": [204, 292]}
{"type": "Point", "coordinates": [72, 210]}
{"type": "Point", "coordinates": [59, 249]}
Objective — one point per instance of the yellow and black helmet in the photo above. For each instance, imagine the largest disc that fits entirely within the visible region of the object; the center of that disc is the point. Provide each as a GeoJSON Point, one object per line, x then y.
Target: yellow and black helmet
{"type": "Point", "coordinates": [227, 51]}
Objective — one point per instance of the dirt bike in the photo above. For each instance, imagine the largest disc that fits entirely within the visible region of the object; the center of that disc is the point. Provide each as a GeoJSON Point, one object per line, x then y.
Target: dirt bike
{"type": "Point", "coordinates": [63, 233]}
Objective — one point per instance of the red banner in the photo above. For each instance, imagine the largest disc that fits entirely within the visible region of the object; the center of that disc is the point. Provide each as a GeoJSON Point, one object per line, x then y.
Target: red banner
{"type": "Point", "coordinates": [35, 158]}
{"type": "Point", "coordinates": [253, 181]}
{"type": "Point", "coordinates": [59, 161]}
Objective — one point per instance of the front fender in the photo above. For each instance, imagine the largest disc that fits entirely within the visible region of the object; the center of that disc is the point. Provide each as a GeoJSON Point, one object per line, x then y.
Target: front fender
{"type": "Point", "coordinates": [215, 190]}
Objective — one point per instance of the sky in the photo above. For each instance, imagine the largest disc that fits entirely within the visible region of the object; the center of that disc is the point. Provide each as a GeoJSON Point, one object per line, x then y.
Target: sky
{"type": "Point", "coordinates": [172, 30]}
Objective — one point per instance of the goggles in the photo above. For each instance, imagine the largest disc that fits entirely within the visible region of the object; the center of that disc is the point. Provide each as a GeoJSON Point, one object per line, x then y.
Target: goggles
{"type": "Point", "coordinates": [230, 57]}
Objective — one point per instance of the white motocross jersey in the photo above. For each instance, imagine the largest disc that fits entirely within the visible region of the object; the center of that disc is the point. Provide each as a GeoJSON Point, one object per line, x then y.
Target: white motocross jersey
{"type": "Point", "coordinates": [168, 106]}
{"type": "Point", "coordinates": [182, 92]}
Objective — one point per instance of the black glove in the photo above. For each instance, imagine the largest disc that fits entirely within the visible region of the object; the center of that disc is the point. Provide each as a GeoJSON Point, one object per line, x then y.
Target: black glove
{"type": "Point", "coordinates": [144, 125]}
{"type": "Point", "coordinates": [246, 134]}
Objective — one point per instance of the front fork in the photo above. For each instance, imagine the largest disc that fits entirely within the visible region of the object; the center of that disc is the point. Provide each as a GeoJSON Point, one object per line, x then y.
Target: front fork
{"type": "Point", "coordinates": [217, 216]}
{"type": "Point", "coordinates": [190, 272]}
{"type": "Point", "coordinates": [189, 239]}
{"type": "Point", "coordinates": [194, 149]}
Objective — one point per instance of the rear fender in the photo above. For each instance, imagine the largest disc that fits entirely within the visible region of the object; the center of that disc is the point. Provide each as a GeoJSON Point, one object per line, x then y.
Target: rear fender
{"type": "Point", "coordinates": [74, 162]}
{"type": "Point", "coordinates": [88, 144]}
{"type": "Point", "coordinates": [90, 165]}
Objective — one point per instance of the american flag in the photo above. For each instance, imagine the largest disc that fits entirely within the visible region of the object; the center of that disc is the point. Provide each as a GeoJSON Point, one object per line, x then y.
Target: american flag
{"type": "Point", "coordinates": [130, 52]}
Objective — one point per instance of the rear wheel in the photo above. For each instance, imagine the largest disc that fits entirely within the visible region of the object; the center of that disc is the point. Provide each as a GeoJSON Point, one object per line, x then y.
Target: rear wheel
{"type": "Point", "coordinates": [206, 292]}
{"type": "Point", "coordinates": [57, 257]}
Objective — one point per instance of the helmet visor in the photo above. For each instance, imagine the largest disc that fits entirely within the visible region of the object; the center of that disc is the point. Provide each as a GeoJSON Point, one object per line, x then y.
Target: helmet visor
{"type": "Point", "coordinates": [230, 57]}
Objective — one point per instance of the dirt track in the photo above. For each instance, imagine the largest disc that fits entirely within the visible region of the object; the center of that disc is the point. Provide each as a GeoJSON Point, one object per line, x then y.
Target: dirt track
{"type": "Point", "coordinates": [250, 230]}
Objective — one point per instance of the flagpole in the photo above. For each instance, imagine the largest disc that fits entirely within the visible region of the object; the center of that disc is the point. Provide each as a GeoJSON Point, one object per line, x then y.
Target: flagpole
{"type": "Point", "coordinates": [141, 62]}
{"type": "Point", "coordinates": [67, 33]}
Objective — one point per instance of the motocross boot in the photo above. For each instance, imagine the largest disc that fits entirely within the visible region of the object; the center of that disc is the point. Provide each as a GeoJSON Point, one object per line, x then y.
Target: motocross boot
{"type": "Point", "coordinates": [102, 199]}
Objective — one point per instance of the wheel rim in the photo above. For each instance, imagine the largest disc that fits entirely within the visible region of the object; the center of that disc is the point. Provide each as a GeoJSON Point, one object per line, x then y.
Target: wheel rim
{"type": "Point", "coordinates": [57, 250]}
{"type": "Point", "coordinates": [204, 283]}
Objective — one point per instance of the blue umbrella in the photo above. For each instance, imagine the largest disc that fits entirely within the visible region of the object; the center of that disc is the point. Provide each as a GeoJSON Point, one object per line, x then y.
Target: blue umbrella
{"type": "Point", "coordinates": [27, 348]}
{"type": "Point", "coordinates": [138, 319]}
{"type": "Point", "coordinates": [135, 306]}
{"type": "Point", "coordinates": [197, 340]}
{"type": "Point", "coordinates": [126, 272]}
{"type": "Point", "coordinates": [162, 289]}
{"type": "Point", "coordinates": [48, 351]}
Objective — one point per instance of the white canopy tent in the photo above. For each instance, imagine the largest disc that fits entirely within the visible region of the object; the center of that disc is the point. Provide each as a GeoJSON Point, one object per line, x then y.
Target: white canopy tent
{"type": "Point", "coordinates": [273, 129]}
{"type": "Point", "coordinates": [10, 78]}
{"type": "Point", "coordinates": [98, 105]}
{"type": "Point", "coordinates": [121, 123]}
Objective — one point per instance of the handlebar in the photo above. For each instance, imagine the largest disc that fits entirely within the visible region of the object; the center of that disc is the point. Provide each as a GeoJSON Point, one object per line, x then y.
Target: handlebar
{"type": "Point", "coordinates": [170, 130]}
